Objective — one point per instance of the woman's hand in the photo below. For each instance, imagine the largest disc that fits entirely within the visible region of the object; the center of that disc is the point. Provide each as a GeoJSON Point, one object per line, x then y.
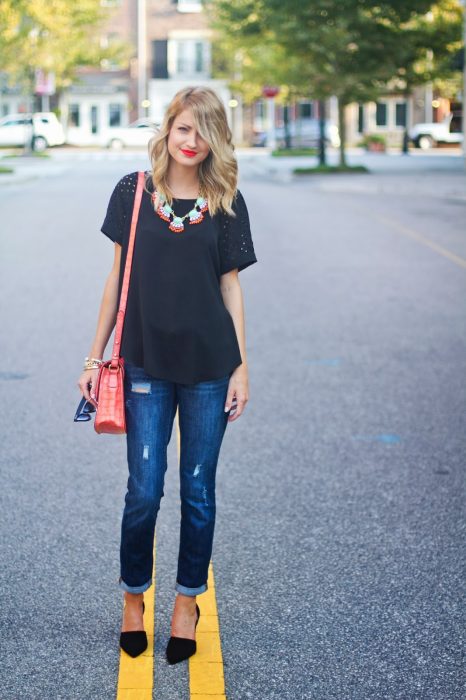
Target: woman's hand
{"type": "Point", "coordinates": [238, 393]}
{"type": "Point", "coordinates": [89, 376]}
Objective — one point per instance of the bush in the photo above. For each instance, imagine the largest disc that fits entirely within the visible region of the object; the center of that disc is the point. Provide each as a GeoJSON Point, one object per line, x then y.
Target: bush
{"type": "Point", "coordinates": [374, 142]}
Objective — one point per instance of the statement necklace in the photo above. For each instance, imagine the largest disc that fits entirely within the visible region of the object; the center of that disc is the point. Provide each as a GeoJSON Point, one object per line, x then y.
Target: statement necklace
{"type": "Point", "coordinates": [164, 210]}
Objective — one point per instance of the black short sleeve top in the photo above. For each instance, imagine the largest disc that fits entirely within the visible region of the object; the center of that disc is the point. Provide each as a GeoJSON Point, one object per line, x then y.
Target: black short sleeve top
{"type": "Point", "coordinates": [176, 325]}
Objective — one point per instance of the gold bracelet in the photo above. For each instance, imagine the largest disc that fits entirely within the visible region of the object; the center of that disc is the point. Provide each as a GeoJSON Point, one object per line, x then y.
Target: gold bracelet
{"type": "Point", "coordinates": [92, 363]}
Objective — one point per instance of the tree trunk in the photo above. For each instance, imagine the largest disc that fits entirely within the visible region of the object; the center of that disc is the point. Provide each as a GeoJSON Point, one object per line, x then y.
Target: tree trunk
{"type": "Point", "coordinates": [322, 149]}
{"type": "Point", "coordinates": [342, 130]}
{"type": "Point", "coordinates": [29, 140]}
{"type": "Point", "coordinates": [405, 143]}
{"type": "Point", "coordinates": [286, 126]}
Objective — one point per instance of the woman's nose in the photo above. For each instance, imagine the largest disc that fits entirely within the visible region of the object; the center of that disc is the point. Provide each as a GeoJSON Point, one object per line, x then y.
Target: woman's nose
{"type": "Point", "coordinates": [192, 140]}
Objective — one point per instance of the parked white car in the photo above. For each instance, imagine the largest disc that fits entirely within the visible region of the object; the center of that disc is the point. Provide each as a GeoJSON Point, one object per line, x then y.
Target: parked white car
{"type": "Point", "coordinates": [16, 130]}
{"type": "Point", "coordinates": [136, 134]}
{"type": "Point", "coordinates": [429, 134]}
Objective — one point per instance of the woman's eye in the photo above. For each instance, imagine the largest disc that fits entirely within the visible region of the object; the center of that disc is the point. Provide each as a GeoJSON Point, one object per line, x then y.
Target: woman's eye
{"type": "Point", "coordinates": [182, 128]}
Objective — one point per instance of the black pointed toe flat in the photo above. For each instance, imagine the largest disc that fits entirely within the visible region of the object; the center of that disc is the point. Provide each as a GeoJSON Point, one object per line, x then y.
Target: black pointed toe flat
{"type": "Point", "coordinates": [179, 648]}
{"type": "Point", "coordinates": [134, 643]}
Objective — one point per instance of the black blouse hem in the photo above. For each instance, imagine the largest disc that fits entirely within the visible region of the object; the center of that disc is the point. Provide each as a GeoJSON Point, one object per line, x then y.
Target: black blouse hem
{"type": "Point", "coordinates": [179, 379]}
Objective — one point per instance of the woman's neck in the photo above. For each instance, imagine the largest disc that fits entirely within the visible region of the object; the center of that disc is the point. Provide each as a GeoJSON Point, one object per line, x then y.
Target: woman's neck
{"type": "Point", "coordinates": [183, 181]}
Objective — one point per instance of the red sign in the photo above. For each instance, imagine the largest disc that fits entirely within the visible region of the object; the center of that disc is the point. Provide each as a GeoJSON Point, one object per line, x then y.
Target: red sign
{"type": "Point", "coordinates": [270, 91]}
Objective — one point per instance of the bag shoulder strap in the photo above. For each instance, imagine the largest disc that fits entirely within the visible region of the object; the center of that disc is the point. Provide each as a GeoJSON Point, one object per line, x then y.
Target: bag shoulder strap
{"type": "Point", "coordinates": [127, 273]}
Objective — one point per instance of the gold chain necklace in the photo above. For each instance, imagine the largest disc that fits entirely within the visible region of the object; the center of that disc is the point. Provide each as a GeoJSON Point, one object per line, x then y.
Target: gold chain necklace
{"type": "Point", "coordinates": [165, 211]}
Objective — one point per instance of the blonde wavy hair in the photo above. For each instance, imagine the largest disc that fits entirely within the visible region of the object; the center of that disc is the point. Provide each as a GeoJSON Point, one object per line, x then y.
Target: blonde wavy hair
{"type": "Point", "coordinates": [218, 172]}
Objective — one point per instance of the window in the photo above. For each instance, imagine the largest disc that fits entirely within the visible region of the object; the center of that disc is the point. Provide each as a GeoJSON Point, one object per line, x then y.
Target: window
{"type": "Point", "coordinates": [159, 59]}
{"type": "Point", "coordinates": [181, 62]}
{"type": "Point", "coordinates": [360, 119]}
{"type": "Point", "coordinates": [106, 41]}
{"type": "Point", "coordinates": [189, 6]}
{"type": "Point", "coordinates": [94, 119]}
{"type": "Point", "coordinates": [190, 57]}
{"type": "Point", "coordinates": [400, 114]}
{"type": "Point", "coordinates": [259, 108]}
{"type": "Point", "coordinates": [456, 126]}
{"type": "Point", "coordinates": [114, 115]}
{"type": "Point", "coordinates": [305, 110]}
{"type": "Point", "coordinates": [5, 110]}
{"type": "Point", "coordinates": [381, 114]}
{"type": "Point", "coordinates": [21, 121]}
{"type": "Point", "coordinates": [199, 53]}
{"type": "Point", "coordinates": [73, 115]}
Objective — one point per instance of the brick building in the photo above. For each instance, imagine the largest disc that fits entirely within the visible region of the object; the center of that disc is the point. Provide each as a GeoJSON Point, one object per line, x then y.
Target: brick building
{"type": "Point", "coordinates": [171, 48]}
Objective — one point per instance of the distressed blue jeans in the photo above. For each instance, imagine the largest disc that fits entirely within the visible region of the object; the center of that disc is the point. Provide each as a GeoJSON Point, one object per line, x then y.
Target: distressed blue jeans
{"type": "Point", "coordinates": [150, 407]}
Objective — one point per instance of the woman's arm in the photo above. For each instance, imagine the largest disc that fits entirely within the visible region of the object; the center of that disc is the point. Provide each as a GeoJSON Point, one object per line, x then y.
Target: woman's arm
{"type": "Point", "coordinates": [105, 323]}
{"type": "Point", "coordinates": [233, 300]}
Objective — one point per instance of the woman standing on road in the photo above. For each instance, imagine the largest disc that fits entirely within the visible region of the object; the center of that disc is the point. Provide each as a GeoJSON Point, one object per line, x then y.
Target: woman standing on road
{"type": "Point", "coordinates": [183, 344]}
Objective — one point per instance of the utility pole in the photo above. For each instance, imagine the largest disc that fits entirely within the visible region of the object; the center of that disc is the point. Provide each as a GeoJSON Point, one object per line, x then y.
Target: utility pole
{"type": "Point", "coordinates": [142, 59]}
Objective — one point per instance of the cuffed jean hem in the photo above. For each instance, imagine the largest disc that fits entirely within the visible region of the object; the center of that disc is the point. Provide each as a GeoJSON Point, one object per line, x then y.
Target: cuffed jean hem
{"type": "Point", "coordinates": [134, 589]}
{"type": "Point", "coordinates": [190, 591]}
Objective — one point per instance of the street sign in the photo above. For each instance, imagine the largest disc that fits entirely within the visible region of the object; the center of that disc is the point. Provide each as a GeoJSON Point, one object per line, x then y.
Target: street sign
{"type": "Point", "coordinates": [45, 83]}
{"type": "Point", "coordinates": [270, 91]}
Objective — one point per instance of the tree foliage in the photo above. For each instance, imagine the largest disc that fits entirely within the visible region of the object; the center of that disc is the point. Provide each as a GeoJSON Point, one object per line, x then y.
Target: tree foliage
{"type": "Point", "coordinates": [52, 35]}
{"type": "Point", "coordinates": [353, 49]}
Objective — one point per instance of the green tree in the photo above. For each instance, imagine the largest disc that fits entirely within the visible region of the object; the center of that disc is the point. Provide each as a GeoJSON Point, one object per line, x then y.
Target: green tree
{"type": "Point", "coordinates": [55, 36]}
{"type": "Point", "coordinates": [348, 48]}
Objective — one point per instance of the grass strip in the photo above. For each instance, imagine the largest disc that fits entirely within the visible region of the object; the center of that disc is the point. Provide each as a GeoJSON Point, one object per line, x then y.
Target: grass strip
{"type": "Point", "coordinates": [294, 152]}
{"type": "Point", "coordinates": [318, 169]}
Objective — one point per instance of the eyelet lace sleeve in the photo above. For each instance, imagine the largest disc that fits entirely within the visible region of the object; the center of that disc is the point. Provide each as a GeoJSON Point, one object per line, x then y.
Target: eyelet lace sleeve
{"type": "Point", "coordinates": [116, 222]}
{"type": "Point", "coordinates": [236, 247]}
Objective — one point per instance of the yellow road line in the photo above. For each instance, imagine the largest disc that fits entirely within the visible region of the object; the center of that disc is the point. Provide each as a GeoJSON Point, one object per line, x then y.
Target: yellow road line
{"type": "Point", "coordinates": [206, 678]}
{"type": "Point", "coordinates": [136, 676]}
{"type": "Point", "coordinates": [412, 233]}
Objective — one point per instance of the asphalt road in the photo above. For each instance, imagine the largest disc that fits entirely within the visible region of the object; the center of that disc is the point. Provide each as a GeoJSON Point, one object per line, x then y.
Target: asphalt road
{"type": "Point", "coordinates": [339, 543]}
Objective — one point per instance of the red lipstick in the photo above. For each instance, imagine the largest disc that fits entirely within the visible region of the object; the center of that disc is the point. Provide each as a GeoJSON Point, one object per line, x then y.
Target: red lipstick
{"type": "Point", "coordinates": [188, 153]}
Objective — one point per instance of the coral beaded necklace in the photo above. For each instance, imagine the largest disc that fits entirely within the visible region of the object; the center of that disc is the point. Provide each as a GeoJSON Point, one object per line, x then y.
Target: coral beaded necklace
{"type": "Point", "coordinates": [164, 210]}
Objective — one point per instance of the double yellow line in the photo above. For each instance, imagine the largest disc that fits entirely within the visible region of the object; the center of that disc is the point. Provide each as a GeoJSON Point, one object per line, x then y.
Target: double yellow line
{"type": "Point", "coordinates": [206, 677]}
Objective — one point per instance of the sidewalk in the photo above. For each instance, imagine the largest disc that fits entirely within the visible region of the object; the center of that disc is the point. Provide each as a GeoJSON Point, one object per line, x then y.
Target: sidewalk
{"type": "Point", "coordinates": [434, 174]}
{"type": "Point", "coordinates": [27, 168]}
{"type": "Point", "coordinates": [259, 162]}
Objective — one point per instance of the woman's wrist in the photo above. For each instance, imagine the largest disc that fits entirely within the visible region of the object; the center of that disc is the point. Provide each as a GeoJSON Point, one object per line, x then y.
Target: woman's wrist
{"type": "Point", "coordinates": [92, 362]}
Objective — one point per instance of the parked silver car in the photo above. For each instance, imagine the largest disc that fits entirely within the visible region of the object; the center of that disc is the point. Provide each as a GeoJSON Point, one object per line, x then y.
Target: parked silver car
{"type": "Point", "coordinates": [304, 133]}
{"type": "Point", "coordinates": [17, 130]}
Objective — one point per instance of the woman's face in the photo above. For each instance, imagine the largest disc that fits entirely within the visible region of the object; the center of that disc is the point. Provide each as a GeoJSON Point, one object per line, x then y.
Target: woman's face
{"type": "Point", "coordinates": [185, 145]}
